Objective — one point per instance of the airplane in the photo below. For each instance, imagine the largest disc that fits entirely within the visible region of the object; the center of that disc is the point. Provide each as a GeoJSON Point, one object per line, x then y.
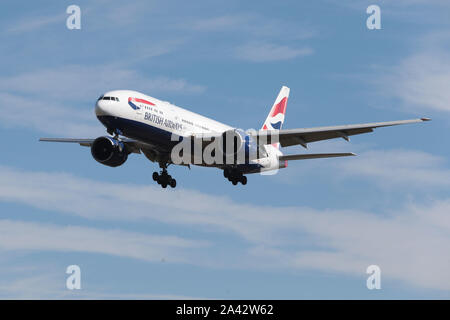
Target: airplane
{"type": "Point", "coordinates": [137, 123]}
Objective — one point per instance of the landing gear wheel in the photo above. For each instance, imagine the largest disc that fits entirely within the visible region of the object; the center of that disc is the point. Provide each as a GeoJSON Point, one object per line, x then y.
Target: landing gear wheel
{"type": "Point", "coordinates": [164, 178]}
{"type": "Point", "coordinates": [234, 176]}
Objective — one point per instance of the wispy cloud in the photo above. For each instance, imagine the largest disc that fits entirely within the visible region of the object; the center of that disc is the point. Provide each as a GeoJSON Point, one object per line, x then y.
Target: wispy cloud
{"type": "Point", "coordinates": [408, 243]}
{"type": "Point", "coordinates": [221, 23]}
{"type": "Point", "coordinates": [387, 169]}
{"type": "Point", "coordinates": [47, 97]}
{"type": "Point", "coordinates": [36, 23]}
{"type": "Point", "coordinates": [87, 82]}
{"type": "Point", "coordinates": [394, 168]}
{"type": "Point", "coordinates": [264, 52]}
{"type": "Point", "coordinates": [254, 26]}
{"type": "Point", "coordinates": [47, 282]}
{"type": "Point", "coordinates": [357, 4]}
{"type": "Point", "coordinates": [421, 81]}
{"type": "Point", "coordinates": [108, 15]}
{"type": "Point", "coordinates": [265, 38]}
{"type": "Point", "coordinates": [47, 116]}
{"type": "Point", "coordinates": [19, 235]}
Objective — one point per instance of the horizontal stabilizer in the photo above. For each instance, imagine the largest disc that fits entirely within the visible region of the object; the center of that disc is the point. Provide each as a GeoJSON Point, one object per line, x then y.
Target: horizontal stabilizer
{"type": "Point", "coordinates": [313, 156]}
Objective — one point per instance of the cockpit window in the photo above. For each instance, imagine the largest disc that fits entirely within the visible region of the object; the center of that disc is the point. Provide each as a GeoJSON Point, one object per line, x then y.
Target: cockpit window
{"type": "Point", "coordinates": [108, 98]}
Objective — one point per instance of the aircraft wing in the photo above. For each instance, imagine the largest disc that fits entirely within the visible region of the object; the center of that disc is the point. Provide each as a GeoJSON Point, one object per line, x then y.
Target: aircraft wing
{"type": "Point", "coordinates": [132, 145]}
{"type": "Point", "coordinates": [82, 142]}
{"type": "Point", "coordinates": [302, 137]}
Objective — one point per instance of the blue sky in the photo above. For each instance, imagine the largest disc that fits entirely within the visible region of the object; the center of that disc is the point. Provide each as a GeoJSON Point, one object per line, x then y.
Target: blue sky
{"type": "Point", "coordinates": [309, 231]}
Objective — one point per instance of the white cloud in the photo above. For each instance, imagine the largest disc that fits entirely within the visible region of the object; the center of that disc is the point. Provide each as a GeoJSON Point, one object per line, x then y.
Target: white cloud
{"type": "Point", "coordinates": [253, 25]}
{"type": "Point", "coordinates": [88, 82]}
{"type": "Point", "coordinates": [26, 286]}
{"type": "Point", "coordinates": [141, 52]}
{"type": "Point", "coordinates": [264, 52]}
{"type": "Point", "coordinates": [47, 116]}
{"type": "Point", "coordinates": [406, 244]}
{"type": "Point", "coordinates": [394, 168]}
{"type": "Point", "coordinates": [404, 4]}
{"type": "Point", "coordinates": [42, 99]}
{"type": "Point", "coordinates": [409, 244]}
{"type": "Point", "coordinates": [35, 23]}
{"type": "Point", "coordinates": [262, 38]}
{"type": "Point", "coordinates": [108, 14]}
{"type": "Point", "coordinates": [220, 23]}
{"type": "Point", "coordinates": [389, 169]}
{"type": "Point", "coordinates": [421, 80]}
{"type": "Point", "coordinates": [49, 283]}
{"type": "Point", "coordinates": [18, 235]}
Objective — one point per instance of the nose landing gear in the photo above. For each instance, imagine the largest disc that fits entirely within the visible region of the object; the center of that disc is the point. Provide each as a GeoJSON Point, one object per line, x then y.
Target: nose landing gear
{"type": "Point", "coordinates": [164, 178]}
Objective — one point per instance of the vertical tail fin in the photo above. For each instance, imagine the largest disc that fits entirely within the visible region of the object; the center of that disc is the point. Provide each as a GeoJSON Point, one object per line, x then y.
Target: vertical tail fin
{"type": "Point", "coordinates": [276, 115]}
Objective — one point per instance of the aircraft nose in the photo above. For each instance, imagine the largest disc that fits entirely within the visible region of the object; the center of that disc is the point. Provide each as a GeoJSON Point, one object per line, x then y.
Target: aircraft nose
{"type": "Point", "coordinates": [100, 108]}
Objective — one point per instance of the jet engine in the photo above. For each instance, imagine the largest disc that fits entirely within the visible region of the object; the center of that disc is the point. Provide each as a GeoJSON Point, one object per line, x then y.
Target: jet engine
{"type": "Point", "coordinates": [109, 151]}
{"type": "Point", "coordinates": [238, 145]}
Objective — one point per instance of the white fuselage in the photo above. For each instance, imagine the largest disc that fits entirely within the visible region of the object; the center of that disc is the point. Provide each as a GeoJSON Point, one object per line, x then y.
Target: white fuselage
{"type": "Point", "coordinates": [161, 114]}
{"type": "Point", "coordinates": [153, 121]}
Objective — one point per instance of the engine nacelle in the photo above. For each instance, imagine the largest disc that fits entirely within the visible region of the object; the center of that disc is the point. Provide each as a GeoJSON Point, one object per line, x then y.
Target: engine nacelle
{"type": "Point", "coordinates": [238, 145]}
{"type": "Point", "coordinates": [109, 151]}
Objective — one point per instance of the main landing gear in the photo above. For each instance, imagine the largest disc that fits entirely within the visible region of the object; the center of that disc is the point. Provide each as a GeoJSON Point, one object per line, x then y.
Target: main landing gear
{"type": "Point", "coordinates": [235, 176]}
{"type": "Point", "coordinates": [164, 178]}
